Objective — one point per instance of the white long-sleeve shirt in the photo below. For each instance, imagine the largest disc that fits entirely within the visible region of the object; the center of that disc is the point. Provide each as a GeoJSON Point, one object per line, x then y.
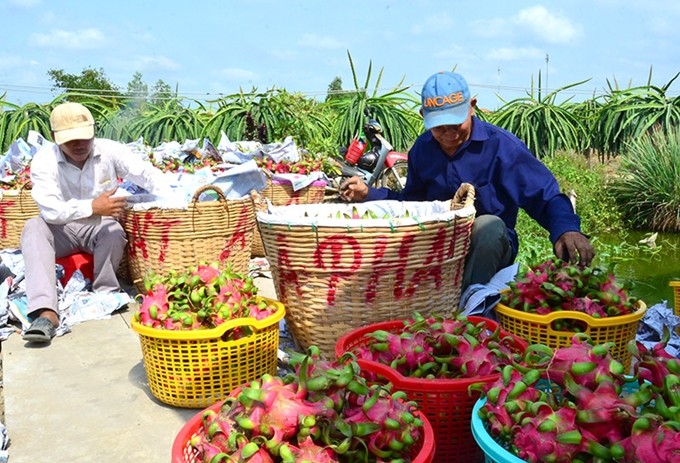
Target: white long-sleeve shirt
{"type": "Point", "coordinates": [64, 192]}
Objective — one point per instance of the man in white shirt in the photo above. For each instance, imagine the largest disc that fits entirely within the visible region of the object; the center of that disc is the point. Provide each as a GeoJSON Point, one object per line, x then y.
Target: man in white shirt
{"type": "Point", "coordinates": [74, 185]}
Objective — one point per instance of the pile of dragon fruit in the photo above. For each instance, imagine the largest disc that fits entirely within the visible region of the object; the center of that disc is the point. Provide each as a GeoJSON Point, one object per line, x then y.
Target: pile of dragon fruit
{"type": "Point", "coordinates": [577, 404]}
{"type": "Point", "coordinates": [436, 347]}
{"type": "Point", "coordinates": [302, 166]}
{"type": "Point", "coordinates": [323, 412]}
{"type": "Point", "coordinates": [202, 297]}
{"type": "Point", "coordinates": [559, 285]}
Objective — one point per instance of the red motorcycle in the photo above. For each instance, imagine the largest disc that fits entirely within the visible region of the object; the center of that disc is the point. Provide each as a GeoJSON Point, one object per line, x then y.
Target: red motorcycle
{"type": "Point", "coordinates": [379, 165]}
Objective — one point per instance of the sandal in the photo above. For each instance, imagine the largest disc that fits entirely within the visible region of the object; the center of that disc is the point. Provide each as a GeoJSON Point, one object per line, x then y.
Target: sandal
{"type": "Point", "coordinates": [41, 330]}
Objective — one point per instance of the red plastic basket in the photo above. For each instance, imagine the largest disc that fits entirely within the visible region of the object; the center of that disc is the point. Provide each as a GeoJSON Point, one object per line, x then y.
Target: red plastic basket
{"type": "Point", "coordinates": [183, 452]}
{"type": "Point", "coordinates": [446, 402]}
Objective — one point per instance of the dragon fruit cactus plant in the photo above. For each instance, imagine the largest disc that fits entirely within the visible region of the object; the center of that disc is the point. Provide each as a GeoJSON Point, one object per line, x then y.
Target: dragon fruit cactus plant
{"type": "Point", "coordinates": [559, 285]}
{"type": "Point", "coordinates": [437, 347]}
{"type": "Point", "coordinates": [574, 404]}
{"type": "Point", "coordinates": [323, 412]}
{"type": "Point", "coordinates": [202, 297]}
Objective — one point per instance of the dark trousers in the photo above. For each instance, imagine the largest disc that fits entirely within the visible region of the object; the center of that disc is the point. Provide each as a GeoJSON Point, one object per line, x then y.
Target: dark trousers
{"type": "Point", "coordinates": [490, 250]}
{"type": "Point", "coordinates": [42, 243]}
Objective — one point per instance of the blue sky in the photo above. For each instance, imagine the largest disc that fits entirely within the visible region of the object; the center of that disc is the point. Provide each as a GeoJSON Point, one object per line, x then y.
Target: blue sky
{"type": "Point", "coordinates": [208, 48]}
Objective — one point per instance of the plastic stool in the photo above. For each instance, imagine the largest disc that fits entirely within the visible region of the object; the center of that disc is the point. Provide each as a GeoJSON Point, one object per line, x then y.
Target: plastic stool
{"type": "Point", "coordinates": [79, 261]}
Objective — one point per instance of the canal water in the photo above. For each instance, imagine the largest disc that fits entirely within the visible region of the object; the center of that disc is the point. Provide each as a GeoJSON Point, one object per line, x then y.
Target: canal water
{"type": "Point", "coordinates": [648, 268]}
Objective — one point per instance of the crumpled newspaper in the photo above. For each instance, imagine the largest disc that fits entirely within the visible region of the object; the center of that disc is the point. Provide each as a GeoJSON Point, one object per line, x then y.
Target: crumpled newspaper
{"type": "Point", "coordinates": [300, 181]}
{"type": "Point", "coordinates": [20, 154]}
{"type": "Point", "coordinates": [4, 444]}
{"type": "Point", "coordinates": [480, 299]}
{"type": "Point", "coordinates": [244, 151]}
{"type": "Point", "coordinates": [77, 302]}
{"type": "Point", "coordinates": [651, 328]}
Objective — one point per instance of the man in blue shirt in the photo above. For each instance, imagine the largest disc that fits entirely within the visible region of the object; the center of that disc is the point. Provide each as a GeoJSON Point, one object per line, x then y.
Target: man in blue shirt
{"type": "Point", "coordinates": [458, 147]}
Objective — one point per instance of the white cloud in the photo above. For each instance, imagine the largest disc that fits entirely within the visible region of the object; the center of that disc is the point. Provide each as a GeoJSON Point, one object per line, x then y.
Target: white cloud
{"type": "Point", "coordinates": [155, 63]}
{"type": "Point", "coordinates": [84, 39]}
{"type": "Point", "coordinates": [433, 24]}
{"type": "Point", "coordinates": [547, 26]}
{"type": "Point", "coordinates": [321, 42]}
{"type": "Point", "coordinates": [237, 74]}
{"type": "Point", "coordinates": [530, 23]}
{"type": "Point", "coordinates": [514, 53]}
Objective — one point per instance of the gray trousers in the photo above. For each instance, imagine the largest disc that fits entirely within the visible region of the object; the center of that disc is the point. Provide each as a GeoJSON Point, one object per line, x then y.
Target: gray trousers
{"type": "Point", "coordinates": [42, 243]}
{"type": "Point", "coordinates": [490, 250]}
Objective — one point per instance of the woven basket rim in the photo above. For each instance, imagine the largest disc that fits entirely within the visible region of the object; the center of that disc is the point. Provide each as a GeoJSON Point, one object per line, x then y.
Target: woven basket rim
{"type": "Point", "coordinates": [293, 215]}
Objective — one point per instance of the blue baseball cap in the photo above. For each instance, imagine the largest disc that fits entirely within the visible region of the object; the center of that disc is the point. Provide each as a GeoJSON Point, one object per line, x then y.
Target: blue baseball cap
{"type": "Point", "coordinates": [445, 100]}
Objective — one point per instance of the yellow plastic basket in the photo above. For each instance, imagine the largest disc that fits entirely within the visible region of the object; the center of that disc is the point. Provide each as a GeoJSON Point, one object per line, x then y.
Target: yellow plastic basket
{"type": "Point", "coordinates": [540, 329]}
{"type": "Point", "coordinates": [197, 368]}
{"type": "Point", "coordinates": [676, 300]}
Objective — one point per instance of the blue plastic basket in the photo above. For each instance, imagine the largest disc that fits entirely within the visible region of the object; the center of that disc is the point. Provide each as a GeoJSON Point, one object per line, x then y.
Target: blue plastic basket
{"type": "Point", "coordinates": [493, 452]}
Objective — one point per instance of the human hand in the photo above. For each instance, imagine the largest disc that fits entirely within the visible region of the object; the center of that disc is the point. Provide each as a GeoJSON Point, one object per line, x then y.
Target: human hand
{"type": "Point", "coordinates": [575, 247]}
{"type": "Point", "coordinates": [107, 205]}
{"type": "Point", "coordinates": [353, 190]}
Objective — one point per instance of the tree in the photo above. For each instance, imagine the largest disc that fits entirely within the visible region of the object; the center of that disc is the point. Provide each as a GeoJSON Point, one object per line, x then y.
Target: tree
{"type": "Point", "coordinates": [88, 81]}
{"type": "Point", "coordinates": [334, 89]}
{"type": "Point", "coordinates": [91, 84]}
{"type": "Point", "coordinates": [161, 92]}
{"type": "Point", "coordinates": [137, 90]}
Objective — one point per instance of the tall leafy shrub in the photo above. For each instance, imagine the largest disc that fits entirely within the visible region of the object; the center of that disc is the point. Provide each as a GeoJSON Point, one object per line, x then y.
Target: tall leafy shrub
{"type": "Point", "coordinates": [648, 183]}
{"type": "Point", "coordinates": [395, 110]}
{"type": "Point", "coordinates": [543, 124]}
{"type": "Point", "coordinates": [629, 113]}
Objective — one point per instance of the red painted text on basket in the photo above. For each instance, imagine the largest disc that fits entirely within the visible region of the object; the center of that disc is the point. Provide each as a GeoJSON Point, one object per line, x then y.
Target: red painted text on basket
{"type": "Point", "coordinates": [288, 277]}
{"type": "Point", "coordinates": [239, 234]}
{"type": "Point", "coordinates": [335, 245]}
{"type": "Point", "coordinates": [139, 231]}
{"type": "Point", "coordinates": [294, 198]}
{"type": "Point", "coordinates": [3, 219]}
{"type": "Point", "coordinates": [329, 253]}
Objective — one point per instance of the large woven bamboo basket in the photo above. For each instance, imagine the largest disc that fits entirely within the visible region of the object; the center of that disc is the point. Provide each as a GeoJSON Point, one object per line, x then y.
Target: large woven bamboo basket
{"type": "Point", "coordinates": [281, 193]}
{"type": "Point", "coordinates": [160, 240]}
{"type": "Point", "coordinates": [16, 208]}
{"type": "Point", "coordinates": [335, 275]}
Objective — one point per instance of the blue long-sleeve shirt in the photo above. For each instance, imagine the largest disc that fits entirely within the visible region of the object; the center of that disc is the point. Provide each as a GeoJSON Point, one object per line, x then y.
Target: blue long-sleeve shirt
{"type": "Point", "coordinates": [505, 174]}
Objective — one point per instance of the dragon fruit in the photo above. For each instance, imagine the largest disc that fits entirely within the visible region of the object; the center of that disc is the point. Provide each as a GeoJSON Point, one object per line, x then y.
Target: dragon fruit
{"type": "Point", "coordinates": [655, 364]}
{"type": "Point", "coordinates": [293, 419]}
{"type": "Point", "coordinates": [511, 394]}
{"type": "Point", "coordinates": [559, 285]}
{"type": "Point", "coordinates": [276, 410]}
{"type": "Point", "coordinates": [587, 364]}
{"type": "Point", "coordinates": [437, 347]}
{"type": "Point", "coordinates": [204, 296]}
{"type": "Point", "coordinates": [154, 308]}
{"type": "Point", "coordinates": [549, 436]}
{"type": "Point", "coordinates": [574, 404]}
{"type": "Point", "coordinates": [603, 411]}
{"type": "Point", "coordinates": [652, 440]}
{"type": "Point", "coordinates": [387, 419]}
{"type": "Point", "coordinates": [307, 452]}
